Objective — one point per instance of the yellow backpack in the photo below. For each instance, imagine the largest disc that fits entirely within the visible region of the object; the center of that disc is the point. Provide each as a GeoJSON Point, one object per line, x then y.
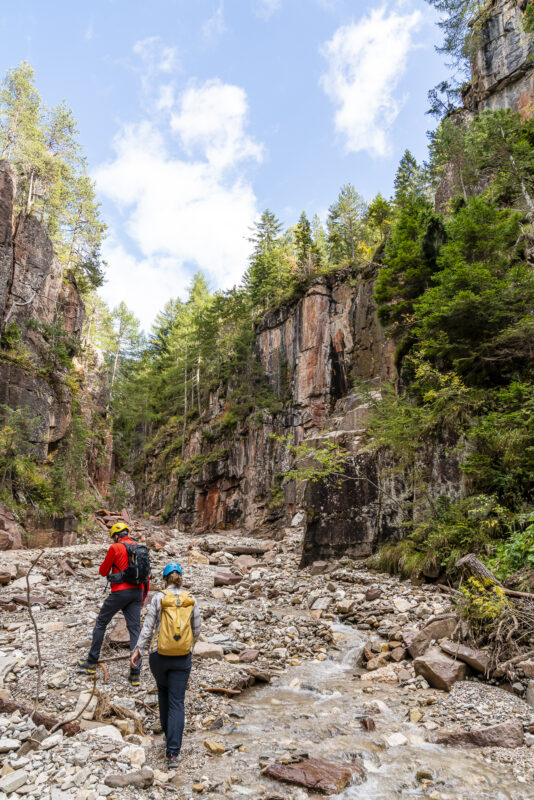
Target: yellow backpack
{"type": "Point", "coordinates": [175, 632]}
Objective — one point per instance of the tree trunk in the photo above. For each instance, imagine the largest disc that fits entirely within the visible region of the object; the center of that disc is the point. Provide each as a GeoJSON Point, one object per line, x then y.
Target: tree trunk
{"type": "Point", "coordinates": [474, 566]}
{"type": "Point", "coordinates": [185, 402]}
{"type": "Point", "coordinates": [30, 195]}
{"type": "Point", "coordinates": [8, 706]}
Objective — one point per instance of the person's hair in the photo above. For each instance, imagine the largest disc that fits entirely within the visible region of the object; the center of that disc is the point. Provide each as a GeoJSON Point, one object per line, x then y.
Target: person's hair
{"type": "Point", "coordinates": [173, 579]}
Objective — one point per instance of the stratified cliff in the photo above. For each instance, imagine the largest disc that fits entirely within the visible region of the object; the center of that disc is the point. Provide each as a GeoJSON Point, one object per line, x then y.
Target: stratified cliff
{"type": "Point", "coordinates": [41, 318]}
{"type": "Point", "coordinates": [502, 74]}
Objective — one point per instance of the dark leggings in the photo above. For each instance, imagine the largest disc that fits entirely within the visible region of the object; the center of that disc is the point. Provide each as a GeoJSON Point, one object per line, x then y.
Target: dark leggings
{"type": "Point", "coordinates": [171, 674]}
{"type": "Point", "coordinates": [128, 601]}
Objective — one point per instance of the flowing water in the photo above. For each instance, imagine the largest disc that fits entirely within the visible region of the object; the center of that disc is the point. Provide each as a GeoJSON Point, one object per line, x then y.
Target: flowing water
{"type": "Point", "coordinates": [315, 708]}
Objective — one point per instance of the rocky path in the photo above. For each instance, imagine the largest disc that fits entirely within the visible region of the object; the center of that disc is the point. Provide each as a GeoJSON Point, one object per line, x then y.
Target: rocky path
{"type": "Point", "coordinates": [311, 663]}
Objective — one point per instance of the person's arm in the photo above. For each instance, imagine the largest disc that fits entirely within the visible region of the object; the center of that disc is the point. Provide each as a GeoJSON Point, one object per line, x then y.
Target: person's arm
{"type": "Point", "coordinates": [108, 562]}
{"type": "Point", "coordinates": [196, 622]}
{"type": "Point", "coordinates": [149, 624]}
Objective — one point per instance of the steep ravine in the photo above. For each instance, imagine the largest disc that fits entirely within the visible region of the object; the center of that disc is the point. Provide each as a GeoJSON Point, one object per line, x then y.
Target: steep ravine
{"type": "Point", "coordinates": [44, 373]}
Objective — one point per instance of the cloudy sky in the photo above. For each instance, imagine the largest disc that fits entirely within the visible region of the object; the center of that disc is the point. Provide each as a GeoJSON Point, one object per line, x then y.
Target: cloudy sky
{"type": "Point", "coordinates": [196, 116]}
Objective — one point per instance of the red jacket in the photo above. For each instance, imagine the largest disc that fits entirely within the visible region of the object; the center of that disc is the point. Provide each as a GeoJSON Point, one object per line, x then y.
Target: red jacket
{"type": "Point", "coordinates": [116, 560]}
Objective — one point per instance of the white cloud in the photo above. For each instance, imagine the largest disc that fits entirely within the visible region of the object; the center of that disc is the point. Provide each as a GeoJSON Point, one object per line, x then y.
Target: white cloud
{"type": "Point", "coordinates": [143, 285]}
{"type": "Point", "coordinates": [180, 182]}
{"type": "Point", "coordinates": [212, 119]}
{"type": "Point", "coordinates": [366, 61]}
{"type": "Point", "coordinates": [266, 8]}
{"type": "Point", "coordinates": [156, 57]}
{"type": "Point", "coordinates": [214, 26]}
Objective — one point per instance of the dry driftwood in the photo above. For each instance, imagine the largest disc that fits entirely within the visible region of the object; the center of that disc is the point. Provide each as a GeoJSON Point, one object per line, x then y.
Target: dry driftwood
{"type": "Point", "coordinates": [501, 669]}
{"type": "Point", "coordinates": [474, 566]}
{"type": "Point", "coordinates": [36, 632]}
{"type": "Point", "coordinates": [239, 549]}
{"type": "Point", "coordinates": [50, 723]}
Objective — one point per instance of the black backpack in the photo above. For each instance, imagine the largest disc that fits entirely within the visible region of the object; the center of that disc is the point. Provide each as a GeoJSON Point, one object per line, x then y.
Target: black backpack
{"type": "Point", "coordinates": [138, 569]}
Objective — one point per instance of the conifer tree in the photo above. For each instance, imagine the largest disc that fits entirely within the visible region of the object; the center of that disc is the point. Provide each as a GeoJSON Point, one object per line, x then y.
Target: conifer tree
{"type": "Point", "coordinates": [409, 179]}
{"type": "Point", "coordinates": [345, 225]}
{"type": "Point", "coordinates": [52, 183]}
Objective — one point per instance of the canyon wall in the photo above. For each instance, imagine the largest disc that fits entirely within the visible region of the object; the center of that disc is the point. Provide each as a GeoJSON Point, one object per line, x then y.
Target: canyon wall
{"type": "Point", "coordinates": [502, 74]}
{"type": "Point", "coordinates": [41, 318]}
{"type": "Point", "coordinates": [322, 356]}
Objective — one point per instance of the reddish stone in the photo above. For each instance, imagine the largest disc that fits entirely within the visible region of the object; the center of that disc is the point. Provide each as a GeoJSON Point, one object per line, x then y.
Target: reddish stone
{"type": "Point", "coordinates": [316, 774]}
{"type": "Point", "coordinates": [440, 670]}
{"type": "Point", "coordinates": [368, 723]}
{"type": "Point", "coordinates": [373, 594]}
{"type": "Point", "coordinates": [226, 579]}
{"type": "Point", "coordinates": [507, 734]}
{"type": "Point", "coordinates": [248, 656]}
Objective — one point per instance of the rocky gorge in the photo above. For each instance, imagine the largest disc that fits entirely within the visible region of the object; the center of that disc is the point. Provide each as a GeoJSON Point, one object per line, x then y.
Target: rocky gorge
{"type": "Point", "coordinates": [332, 676]}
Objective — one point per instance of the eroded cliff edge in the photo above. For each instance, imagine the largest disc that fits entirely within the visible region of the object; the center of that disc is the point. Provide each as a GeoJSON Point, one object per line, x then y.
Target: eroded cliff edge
{"type": "Point", "coordinates": [44, 374]}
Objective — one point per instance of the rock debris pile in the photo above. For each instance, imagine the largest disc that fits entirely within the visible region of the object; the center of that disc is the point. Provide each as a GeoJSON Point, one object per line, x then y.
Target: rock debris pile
{"type": "Point", "coordinates": [263, 619]}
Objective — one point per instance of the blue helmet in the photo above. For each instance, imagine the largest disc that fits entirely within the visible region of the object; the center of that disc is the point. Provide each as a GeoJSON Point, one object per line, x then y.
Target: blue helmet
{"type": "Point", "coordinates": [172, 567]}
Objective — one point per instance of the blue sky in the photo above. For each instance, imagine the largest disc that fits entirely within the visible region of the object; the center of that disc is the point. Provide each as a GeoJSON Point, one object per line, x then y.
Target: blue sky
{"type": "Point", "coordinates": [197, 116]}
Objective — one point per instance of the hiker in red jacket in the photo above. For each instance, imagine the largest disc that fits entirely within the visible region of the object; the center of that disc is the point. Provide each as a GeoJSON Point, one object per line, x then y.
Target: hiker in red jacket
{"type": "Point", "coordinates": [125, 597]}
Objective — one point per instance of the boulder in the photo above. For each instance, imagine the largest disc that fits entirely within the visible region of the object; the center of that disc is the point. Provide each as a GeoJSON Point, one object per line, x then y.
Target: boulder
{"type": "Point", "coordinates": [527, 668]}
{"type": "Point", "coordinates": [317, 774]}
{"type": "Point", "coordinates": [477, 659]}
{"type": "Point", "coordinates": [245, 562]}
{"type": "Point", "coordinates": [141, 779]}
{"type": "Point", "coordinates": [439, 670]}
{"type": "Point", "coordinates": [196, 557]}
{"type": "Point", "coordinates": [13, 781]}
{"type": "Point", "coordinates": [248, 656]}
{"type": "Point", "coordinates": [373, 594]}
{"type": "Point", "coordinates": [214, 747]}
{"type": "Point", "coordinates": [208, 650]}
{"type": "Point", "coordinates": [119, 633]}
{"type": "Point", "coordinates": [507, 734]}
{"type": "Point", "coordinates": [398, 653]}
{"type": "Point", "coordinates": [437, 629]}
{"type": "Point", "coordinates": [226, 579]}
{"type": "Point", "coordinates": [11, 532]}
{"type": "Point", "coordinates": [318, 567]}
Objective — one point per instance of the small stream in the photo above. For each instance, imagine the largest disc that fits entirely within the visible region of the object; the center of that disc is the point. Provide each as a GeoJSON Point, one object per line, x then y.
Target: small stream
{"type": "Point", "coordinates": [315, 708]}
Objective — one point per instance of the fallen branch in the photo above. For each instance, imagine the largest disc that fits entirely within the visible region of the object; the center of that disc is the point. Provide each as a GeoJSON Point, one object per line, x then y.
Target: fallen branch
{"type": "Point", "coordinates": [501, 669]}
{"type": "Point", "coordinates": [140, 703]}
{"type": "Point", "coordinates": [513, 593]}
{"type": "Point", "coordinates": [79, 714]}
{"type": "Point", "coordinates": [10, 706]}
{"type": "Point", "coordinates": [220, 690]}
{"type": "Point", "coordinates": [36, 631]}
{"type": "Point", "coordinates": [447, 588]}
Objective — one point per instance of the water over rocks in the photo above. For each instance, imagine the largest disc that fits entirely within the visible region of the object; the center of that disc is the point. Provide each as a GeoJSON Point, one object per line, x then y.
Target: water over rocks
{"type": "Point", "coordinates": [325, 651]}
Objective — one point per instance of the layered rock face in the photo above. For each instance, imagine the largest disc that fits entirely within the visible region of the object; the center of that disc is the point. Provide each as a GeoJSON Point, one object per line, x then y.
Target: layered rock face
{"type": "Point", "coordinates": [502, 65]}
{"type": "Point", "coordinates": [37, 304]}
{"type": "Point", "coordinates": [312, 353]}
{"type": "Point", "coordinates": [32, 294]}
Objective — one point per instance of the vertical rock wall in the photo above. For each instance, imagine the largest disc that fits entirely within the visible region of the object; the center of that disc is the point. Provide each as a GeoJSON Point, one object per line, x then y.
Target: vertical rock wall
{"type": "Point", "coordinates": [311, 353]}
{"type": "Point", "coordinates": [502, 74]}
{"type": "Point", "coordinates": [34, 293]}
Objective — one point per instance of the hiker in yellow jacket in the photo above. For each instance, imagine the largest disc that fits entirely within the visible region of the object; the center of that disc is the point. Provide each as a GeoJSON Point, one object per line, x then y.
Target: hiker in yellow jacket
{"type": "Point", "coordinates": [171, 626]}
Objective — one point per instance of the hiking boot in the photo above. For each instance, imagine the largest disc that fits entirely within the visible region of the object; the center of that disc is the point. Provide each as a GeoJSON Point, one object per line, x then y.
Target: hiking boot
{"type": "Point", "coordinates": [173, 760]}
{"type": "Point", "coordinates": [134, 679]}
{"type": "Point", "coordinates": [87, 667]}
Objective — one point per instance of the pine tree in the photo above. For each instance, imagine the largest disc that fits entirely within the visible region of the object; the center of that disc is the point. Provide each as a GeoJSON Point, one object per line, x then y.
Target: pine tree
{"type": "Point", "coordinates": [307, 253]}
{"type": "Point", "coordinates": [379, 217]}
{"type": "Point", "coordinates": [52, 181]}
{"type": "Point", "coordinates": [409, 179]}
{"type": "Point", "coordinates": [266, 273]}
{"type": "Point", "coordinates": [344, 226]}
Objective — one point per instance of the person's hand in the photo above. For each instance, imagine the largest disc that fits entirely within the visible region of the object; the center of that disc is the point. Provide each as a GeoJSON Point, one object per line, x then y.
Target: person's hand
{"type": "Point", "coordinates": [134, 658]}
